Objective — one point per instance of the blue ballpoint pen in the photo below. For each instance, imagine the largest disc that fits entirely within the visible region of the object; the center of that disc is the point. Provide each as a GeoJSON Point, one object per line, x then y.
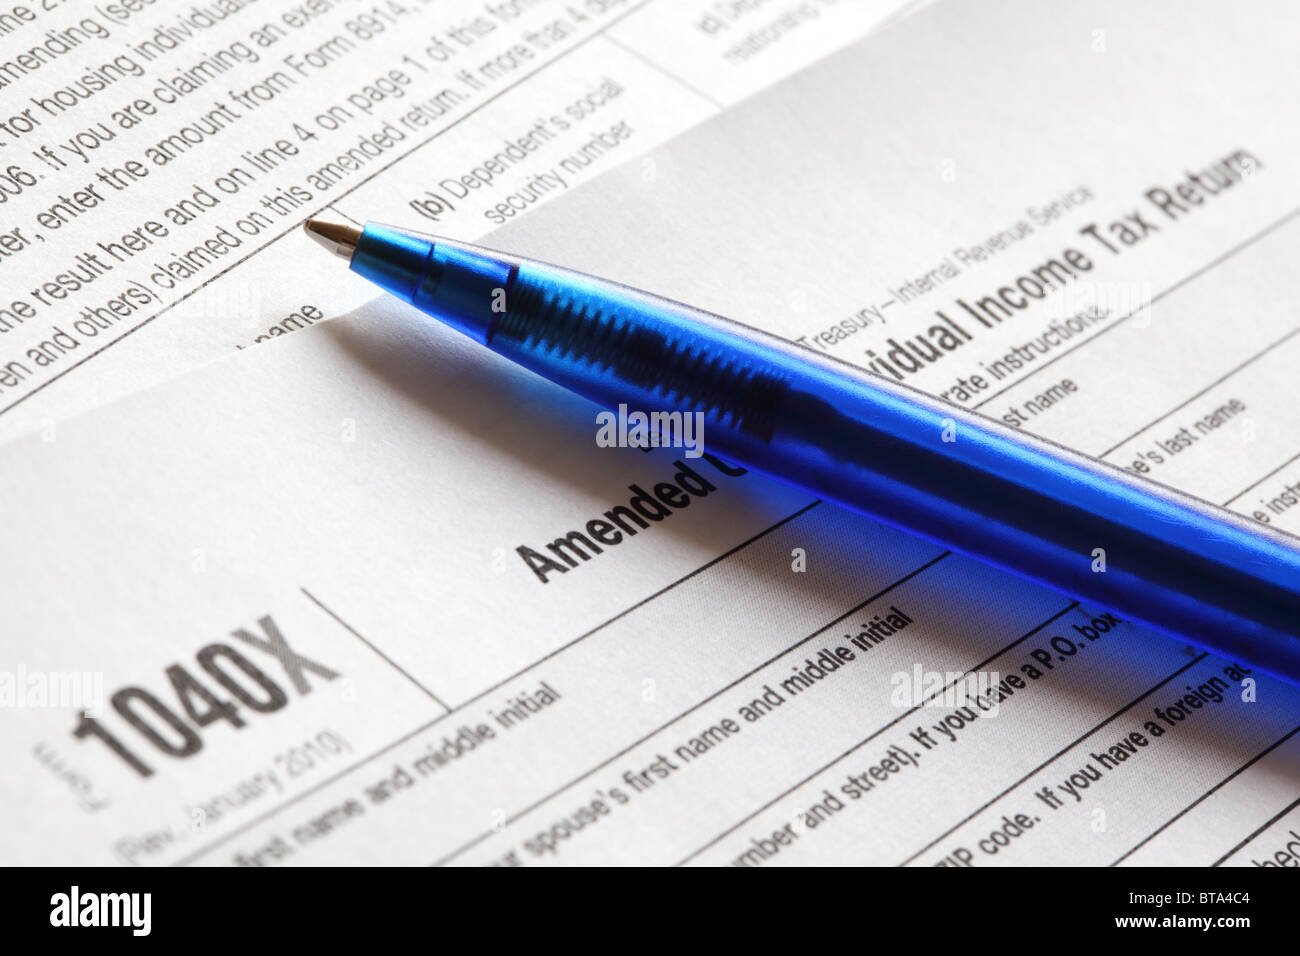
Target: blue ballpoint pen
{"type": "Point", "coordinates": [1172, 562]}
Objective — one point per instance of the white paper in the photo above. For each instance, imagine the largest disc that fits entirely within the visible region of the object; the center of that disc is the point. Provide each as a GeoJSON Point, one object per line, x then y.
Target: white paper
{"type": "Point", "coordinates": [359, 491]}
{"type": "Point", "coordinates": [221, 128]}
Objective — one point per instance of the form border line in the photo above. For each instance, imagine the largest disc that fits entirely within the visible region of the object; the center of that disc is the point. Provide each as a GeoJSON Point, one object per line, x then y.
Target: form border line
{"type": "Point", "coordinates": [1196, 274]}
{"type": "Point", "coordinates": [696, 706]}
{"type": "Point", "coordinates": [1207, 794]}
{"type": "Point", "coordinates": [392, 745]}
{"type": "Point", "coordinates": [874, 734]}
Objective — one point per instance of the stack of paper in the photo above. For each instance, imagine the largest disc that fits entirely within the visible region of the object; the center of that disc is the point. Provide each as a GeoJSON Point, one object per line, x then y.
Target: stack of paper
{"type": "Point", "coordinates": [274, 610]}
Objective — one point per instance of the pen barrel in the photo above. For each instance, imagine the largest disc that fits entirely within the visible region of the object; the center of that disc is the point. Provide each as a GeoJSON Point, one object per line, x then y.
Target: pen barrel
{"type": "Point", "coordinates": [1145, 552]}
{"type": "Point", "coordinates": [1148, 553]}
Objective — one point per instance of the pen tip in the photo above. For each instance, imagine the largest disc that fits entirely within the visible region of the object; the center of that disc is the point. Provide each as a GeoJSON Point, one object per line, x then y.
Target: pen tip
{"type": "Point", "coordinates": [336, 237]}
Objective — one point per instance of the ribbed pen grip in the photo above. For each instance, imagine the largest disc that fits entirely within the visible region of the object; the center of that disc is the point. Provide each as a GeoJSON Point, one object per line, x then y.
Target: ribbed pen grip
{"type": "Point", "coordinates": [594, 332]}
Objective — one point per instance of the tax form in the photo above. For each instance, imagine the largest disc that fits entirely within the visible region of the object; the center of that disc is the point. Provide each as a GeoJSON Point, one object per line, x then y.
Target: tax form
{"type": "Point", "coordinates": [155, 162]}
{"type": "Point", "coordinates": [290, 592]}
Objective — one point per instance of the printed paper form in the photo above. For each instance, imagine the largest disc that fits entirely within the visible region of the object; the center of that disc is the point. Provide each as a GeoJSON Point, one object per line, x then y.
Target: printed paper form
{"type": "Point", "coordinates": [155, 160]}
{"type": "Point", "coordinates": [357, 494]}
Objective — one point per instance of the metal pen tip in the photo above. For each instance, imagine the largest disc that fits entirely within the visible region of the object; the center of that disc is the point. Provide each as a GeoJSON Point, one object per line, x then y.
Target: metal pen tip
{"type": "Point", "coordinates": [336, 237]}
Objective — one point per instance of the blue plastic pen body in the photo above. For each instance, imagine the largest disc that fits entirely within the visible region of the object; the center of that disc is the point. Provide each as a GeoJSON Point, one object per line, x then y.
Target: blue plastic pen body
{"type": "Point", "coordinates": [1191, 569]}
